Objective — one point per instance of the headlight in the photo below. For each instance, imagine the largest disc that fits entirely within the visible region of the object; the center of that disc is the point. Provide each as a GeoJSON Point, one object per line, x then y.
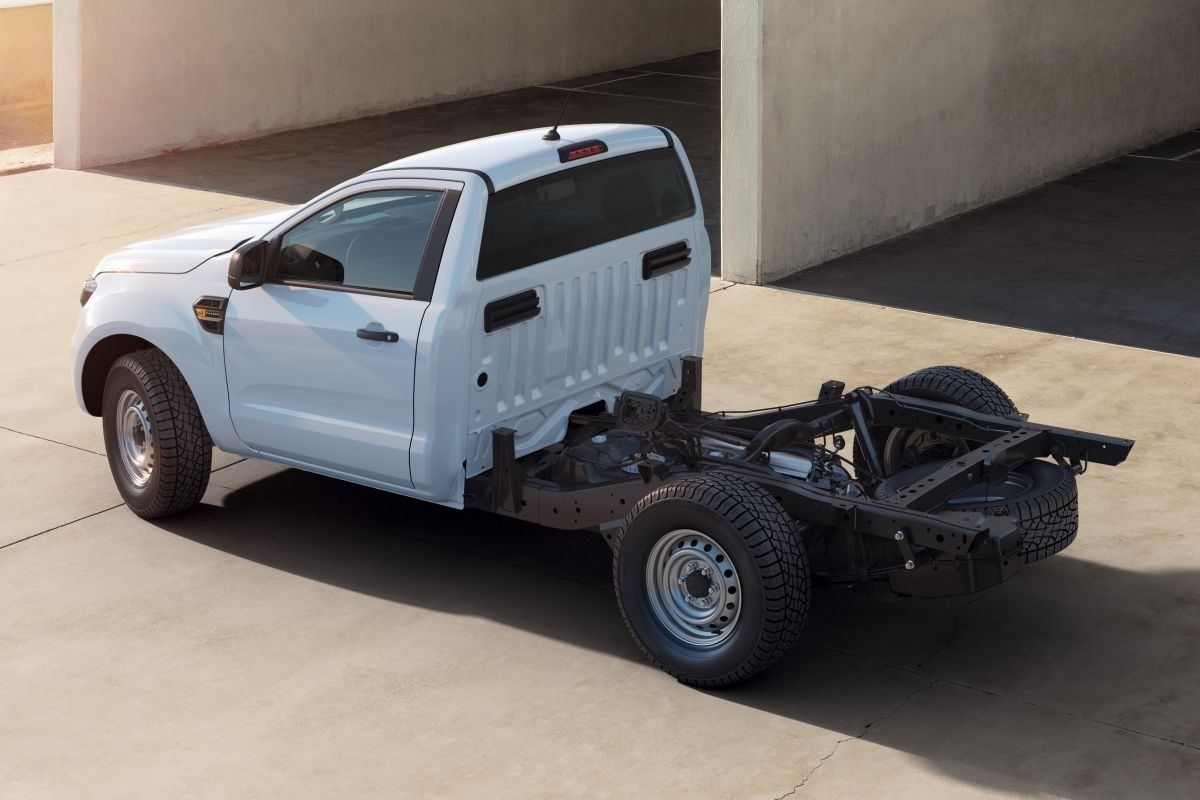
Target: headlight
{"type": "Point", "coordinates": [89, 287]}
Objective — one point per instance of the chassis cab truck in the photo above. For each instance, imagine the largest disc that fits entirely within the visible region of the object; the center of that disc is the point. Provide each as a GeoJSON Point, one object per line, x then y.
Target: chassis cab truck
{"type": "Point", "coordinates": [515, 324]}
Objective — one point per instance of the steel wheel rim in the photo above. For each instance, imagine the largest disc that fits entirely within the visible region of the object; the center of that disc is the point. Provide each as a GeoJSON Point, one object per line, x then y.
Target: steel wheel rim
{"type": "Point", "coordinates": [912, 447]}
{"type": "Point", "coordinates": [693, 589]}
{"type": "Point", "coordinates": [135, 439]}
{"type": "Point", "coordinates": [1013, 485]}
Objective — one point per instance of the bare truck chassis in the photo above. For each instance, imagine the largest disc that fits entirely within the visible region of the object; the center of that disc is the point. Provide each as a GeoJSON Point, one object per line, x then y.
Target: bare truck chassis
{"type": "Point", "coordinates": [914, 539]}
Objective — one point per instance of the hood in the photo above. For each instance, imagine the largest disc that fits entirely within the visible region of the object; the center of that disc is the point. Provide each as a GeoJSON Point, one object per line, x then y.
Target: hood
{"type": "Point", "coordinates": [187, 249]}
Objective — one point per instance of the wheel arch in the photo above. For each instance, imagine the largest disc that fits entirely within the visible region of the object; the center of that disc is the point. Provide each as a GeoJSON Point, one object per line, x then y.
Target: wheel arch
{"type": "Point", "coordinates": [133, 311]}
{"type": "Point", "coordinates": [99, 360]}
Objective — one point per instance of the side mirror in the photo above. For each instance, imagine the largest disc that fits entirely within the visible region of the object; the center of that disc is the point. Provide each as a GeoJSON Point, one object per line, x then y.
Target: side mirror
{"type": "Point", "coordinates": [248, 264]}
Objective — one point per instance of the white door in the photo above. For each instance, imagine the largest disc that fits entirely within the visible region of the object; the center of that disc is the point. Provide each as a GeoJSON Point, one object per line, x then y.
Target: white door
{"type": "Point", "coordinates": [320, 359]}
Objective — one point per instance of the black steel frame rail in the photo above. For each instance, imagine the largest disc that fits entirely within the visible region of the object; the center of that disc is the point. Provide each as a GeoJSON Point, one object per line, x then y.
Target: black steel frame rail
{"type": "Point", "coordinates": [911, 518]}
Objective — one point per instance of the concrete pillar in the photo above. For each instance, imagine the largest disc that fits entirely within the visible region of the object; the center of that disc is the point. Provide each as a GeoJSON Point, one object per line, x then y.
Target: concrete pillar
{"type": "Point", "coordinates": [741, 139]}
{"type": "Point", "coordinates": [68, 59]}
{"type": "Point", "coordinates": [848, 122]}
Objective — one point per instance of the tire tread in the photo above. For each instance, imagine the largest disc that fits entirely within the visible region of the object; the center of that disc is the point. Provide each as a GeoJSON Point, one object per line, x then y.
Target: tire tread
{"type": "Point", "coordinates": [183, 447]}
{"type": "Point", "coordinates": [781, 559]}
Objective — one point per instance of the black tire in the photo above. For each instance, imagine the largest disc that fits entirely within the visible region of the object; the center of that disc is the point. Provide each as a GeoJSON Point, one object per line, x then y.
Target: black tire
{"type": "Point", "coordinates": [944, 384]}
{"type": "Point", "coordinates": [181, 447]}
{"type": "Point", "coordinates": [1048, 511]}
{"type": "Point", "coordinates": [768, 562]}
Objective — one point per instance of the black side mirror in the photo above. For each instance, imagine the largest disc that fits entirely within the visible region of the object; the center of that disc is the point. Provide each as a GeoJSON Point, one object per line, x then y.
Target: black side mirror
{"type": "Point", "coordinates": [248, 264]}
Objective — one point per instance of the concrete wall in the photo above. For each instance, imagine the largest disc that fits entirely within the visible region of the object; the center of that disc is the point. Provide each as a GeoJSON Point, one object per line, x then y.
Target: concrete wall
{"type": "Point", "coordinates": [25, 62]}
{"type": "Point", "coordinates": [846, 123]}
{"type": "Point", "coordinates": [137, 77]}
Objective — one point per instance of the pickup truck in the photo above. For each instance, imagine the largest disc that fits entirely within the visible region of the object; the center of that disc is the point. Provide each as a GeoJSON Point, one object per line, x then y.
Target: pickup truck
{"type": "Point", "coordinates": [515, 324]}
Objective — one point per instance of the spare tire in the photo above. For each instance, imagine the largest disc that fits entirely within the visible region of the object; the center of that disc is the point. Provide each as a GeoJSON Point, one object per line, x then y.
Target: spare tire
{"type": "Point", "coordinates": [1040, 495]}
{"type": "Point", "coordinates": [900, 448]}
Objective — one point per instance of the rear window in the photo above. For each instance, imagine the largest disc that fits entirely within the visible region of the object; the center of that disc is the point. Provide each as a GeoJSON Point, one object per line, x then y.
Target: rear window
{"type": "Point", "coordinates": [582, 207]}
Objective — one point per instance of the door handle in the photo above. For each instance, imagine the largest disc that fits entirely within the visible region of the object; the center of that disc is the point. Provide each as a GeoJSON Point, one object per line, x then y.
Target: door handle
{"type": "Point", "coordinates": [666, 259]}
{"type": "Point", "coordinates": [378, 336]}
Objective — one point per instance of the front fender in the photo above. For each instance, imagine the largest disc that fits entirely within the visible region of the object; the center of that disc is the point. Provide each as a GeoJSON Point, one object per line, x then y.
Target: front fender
{"type": "Point", "coordinates": [158, 309]}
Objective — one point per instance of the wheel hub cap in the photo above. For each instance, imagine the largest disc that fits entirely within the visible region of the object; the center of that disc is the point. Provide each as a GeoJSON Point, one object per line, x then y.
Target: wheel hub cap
{"type": "Point", "coordinates": [698, 585]}
{"type": "Point", "coordinates": [135, 438]}
{"type": "Point", "coordinates": [693, 588]}
{"type": "Point", "coordinates": [906, 447]}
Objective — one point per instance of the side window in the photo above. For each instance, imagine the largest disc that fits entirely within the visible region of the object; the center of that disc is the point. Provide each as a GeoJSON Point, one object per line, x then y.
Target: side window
{"type": "Point", "coordinates": [373, 240]}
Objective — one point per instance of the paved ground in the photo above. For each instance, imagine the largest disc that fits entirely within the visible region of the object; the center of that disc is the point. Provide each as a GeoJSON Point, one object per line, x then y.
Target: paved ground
{"type": "Point", "coordinates": [297, 636]}
{"type": "Point", "coordinates": [1110, 254]}
{"type": "Point", "coordinates": [25, 136]}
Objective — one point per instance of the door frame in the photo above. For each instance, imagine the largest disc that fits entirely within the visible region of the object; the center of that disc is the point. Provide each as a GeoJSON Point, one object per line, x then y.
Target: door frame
{"type": "Point", "coordinates": [431, 256]}
{"type": "Point", "coordinates": [427, 273]}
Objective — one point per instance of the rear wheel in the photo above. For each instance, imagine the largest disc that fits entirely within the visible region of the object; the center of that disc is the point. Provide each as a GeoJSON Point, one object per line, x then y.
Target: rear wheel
{"type": "Point", "coordinates": [158, 447]}
{"type": "Point", "coordinates": [711, 579]}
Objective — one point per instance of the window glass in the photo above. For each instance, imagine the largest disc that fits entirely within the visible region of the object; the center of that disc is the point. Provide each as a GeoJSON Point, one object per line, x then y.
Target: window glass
{"type": "Point", "coordinates": [373, 240]}
{"type": "Point", "coordinates": [582, 207]}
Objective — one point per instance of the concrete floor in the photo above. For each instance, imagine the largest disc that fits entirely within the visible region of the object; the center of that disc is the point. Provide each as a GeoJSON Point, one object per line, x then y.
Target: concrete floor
{"type": "Point", "coordinates": [300, 637]}
{"type": "Point", "coordinates": [25, 136]}
{"type": "Point", "coordinates": [1110, 253]}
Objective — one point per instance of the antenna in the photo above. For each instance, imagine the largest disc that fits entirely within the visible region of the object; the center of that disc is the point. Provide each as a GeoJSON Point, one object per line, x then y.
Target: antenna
{"type": "Point", "coordinates": [552, 134]}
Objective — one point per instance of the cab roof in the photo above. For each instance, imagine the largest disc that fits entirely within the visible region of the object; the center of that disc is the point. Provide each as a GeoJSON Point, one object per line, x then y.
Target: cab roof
{"type": "Point", "coordinates": [512, 158]}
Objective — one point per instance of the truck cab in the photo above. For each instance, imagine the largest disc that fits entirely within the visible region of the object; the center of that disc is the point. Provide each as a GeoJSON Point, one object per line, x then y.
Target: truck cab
{"type": "Point", "coordinates": [380, 332]}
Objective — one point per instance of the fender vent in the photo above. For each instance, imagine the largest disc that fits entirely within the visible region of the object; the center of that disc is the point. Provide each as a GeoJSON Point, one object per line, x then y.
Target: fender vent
{"type": "Point", "coordinates": [666, 259]}
{"type": "Point", "coordinates": [510, 310]}
{"type": "Point", "coordinates": [210, 311]}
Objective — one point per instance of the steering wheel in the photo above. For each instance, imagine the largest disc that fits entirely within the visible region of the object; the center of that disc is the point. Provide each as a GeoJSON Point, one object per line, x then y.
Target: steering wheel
{"type": "Point", "coordinates": [370, 255]}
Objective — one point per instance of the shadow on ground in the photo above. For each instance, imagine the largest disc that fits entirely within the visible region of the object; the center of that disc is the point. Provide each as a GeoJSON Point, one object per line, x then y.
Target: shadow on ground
{"type": "Point", "coordinates": [967, 672]}
{"type": "Point", "coordinates": [1111, 254]}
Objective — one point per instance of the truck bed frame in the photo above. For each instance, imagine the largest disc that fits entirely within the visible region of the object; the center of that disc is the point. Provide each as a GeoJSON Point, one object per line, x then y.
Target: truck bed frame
{"type": "Point", "coordinates": [927, 550]}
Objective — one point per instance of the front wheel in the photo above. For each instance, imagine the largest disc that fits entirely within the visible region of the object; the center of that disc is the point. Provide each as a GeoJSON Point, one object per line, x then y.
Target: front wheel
{"type": "Point", "coordinates": [158, 447]}
{"type": "Point", "coordinates": [711, 579]}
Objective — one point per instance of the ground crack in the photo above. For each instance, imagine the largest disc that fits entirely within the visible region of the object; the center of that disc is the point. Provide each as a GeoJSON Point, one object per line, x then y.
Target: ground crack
{"type": "Point", "coordinates": [866, 729]}
{"type": "Point", "coordinates": [953, 634]}
{"type": "Point", "coordinates": [51, 441]}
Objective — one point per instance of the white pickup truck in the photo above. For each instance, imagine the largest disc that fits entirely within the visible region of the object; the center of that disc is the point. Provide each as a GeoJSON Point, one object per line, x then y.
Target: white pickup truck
{"type": "Point", "coordinates": [515, 324]}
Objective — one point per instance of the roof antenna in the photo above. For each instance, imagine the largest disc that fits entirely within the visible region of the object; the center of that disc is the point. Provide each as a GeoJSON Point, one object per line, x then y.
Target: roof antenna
{"type": "Point", "coordinates": [552, 134]}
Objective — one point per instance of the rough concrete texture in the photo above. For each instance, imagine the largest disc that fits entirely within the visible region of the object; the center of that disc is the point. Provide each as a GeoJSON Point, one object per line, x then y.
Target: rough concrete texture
{"type": "Point", "coordinates": [25, 123]}
{"type": "Point", "coordinates": [865, 120]}
{"type": "Point", "coordinates": [25, 136]}
{"type": "Point", "coordinates": [135, 79]}
{"type": "Point", "coordinates": [26, 66]}
{"type": "Point", "coordinates": [1107, 254]}
{"type": "Point", "coordinates": [297, 636]}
